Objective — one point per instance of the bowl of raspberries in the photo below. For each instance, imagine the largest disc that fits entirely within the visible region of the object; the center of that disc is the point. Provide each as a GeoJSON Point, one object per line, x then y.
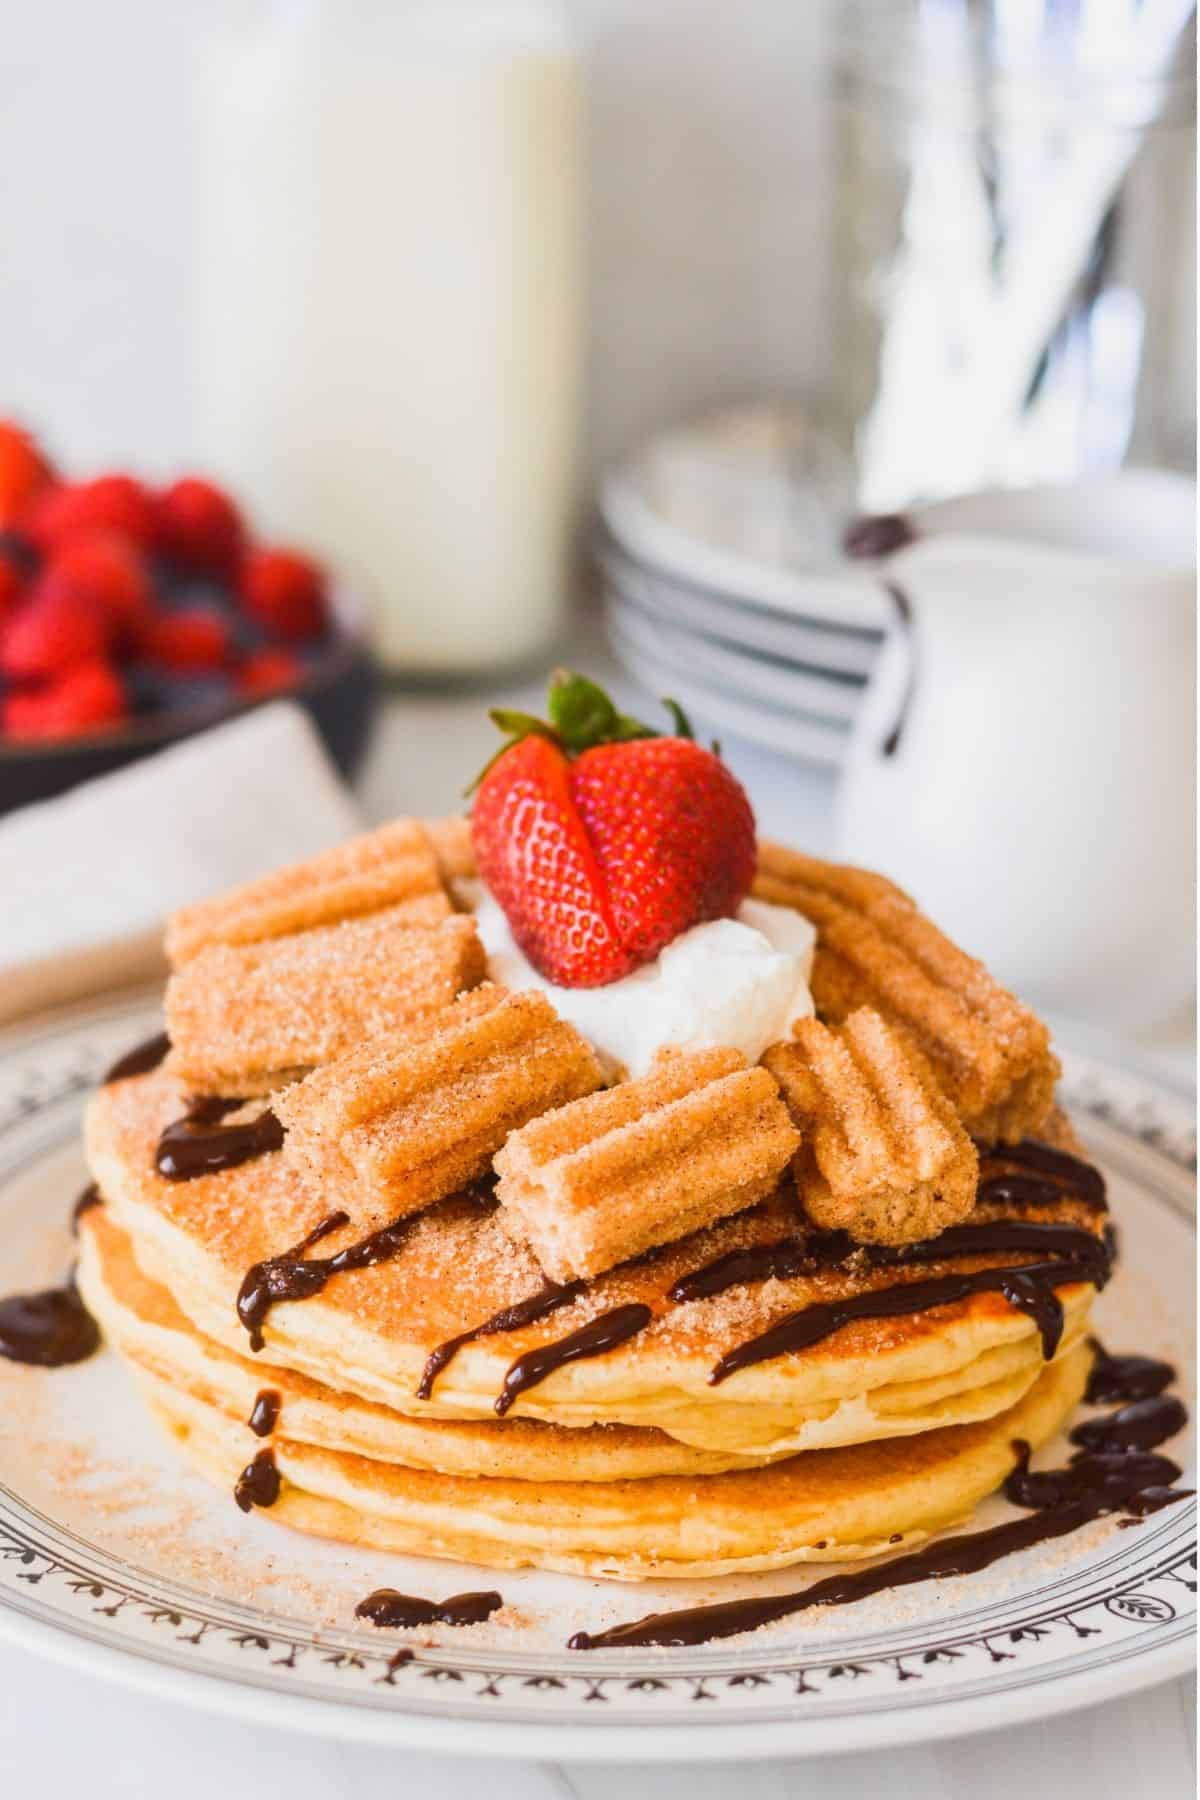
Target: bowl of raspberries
{"type": "Point", "coordinates": [131, 616]}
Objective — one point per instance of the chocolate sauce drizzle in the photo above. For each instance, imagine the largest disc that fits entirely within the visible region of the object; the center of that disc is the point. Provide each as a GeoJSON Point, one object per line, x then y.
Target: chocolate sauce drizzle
{"type": "Point", "coordinates": [872, 535]}
{"type": "Point", "coordinates": [1140, 1425]}
{"type": "Point", "coordinates": [140, 1060]}
{"type": "Point", "coordinates": [1116, 1378]}
{"type": "Point", "coordinates": [293, 1276]}
{"type": "Point", "coordinates": [600, 1334]}
{"type": "Point", "coordinates": [1105, 1478]}
{"type": "Point", "coordinates": [547, 1300]}
{"type": "Point", "coordinates": [91, 1196]}
{"type": "Point", "coordinates": [386, 1607]}
{"type": "Point", "coordinates": [258, 1484]}
{"type": "Point", "coordinates": [1119, 1475]}
{"type": "Point", "coordinates": [200, 1144]}
{"type": "Point", "coordinates": [264, 1414]}
{"type": "Point", "coordinates": [1030, 1288]}
{"type": "Point", "coordinates": [1070, 1177]}
{"type": "Point", "coordinates": [49, 1329]}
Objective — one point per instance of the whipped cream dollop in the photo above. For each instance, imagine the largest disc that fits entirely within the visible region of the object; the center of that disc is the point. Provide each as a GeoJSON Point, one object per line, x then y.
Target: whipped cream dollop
{"type": "Point", "coordinates": [739, 983]}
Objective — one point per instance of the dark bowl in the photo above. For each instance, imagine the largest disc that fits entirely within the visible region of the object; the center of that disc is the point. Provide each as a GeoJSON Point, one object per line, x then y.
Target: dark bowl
{"type": "Point", "coordinates": [339, 691]}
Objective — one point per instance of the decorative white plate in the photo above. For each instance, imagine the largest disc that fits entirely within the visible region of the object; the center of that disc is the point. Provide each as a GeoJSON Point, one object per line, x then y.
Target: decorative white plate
{"type": "Point", "coordinates": [115, 1558]}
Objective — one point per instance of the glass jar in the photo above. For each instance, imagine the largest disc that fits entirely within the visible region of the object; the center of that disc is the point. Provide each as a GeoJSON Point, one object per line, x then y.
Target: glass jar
{"type": "Point", "coordinates": [388, 319]}
{"type": "Point", "coordinates": [1014, 242]}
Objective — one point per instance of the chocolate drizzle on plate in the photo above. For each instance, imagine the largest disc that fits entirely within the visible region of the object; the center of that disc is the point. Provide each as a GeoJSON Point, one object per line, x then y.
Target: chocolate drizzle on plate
{"type": "Point", "coordinates": [547, 1300]}
{"type": "Point", "coordinates": [202, 1144]}
{"type": "Point", "coordinates": [49, 1329]}
{"type": "Point", "coordinates": [140, 1060]}
{"type": "Point", "coordinates": [1117, 1378]}
{"type": "Point", "coordinates": [386, 1607]}
{"type": "Point", "coordinates": [1100, 1481]}
{"type": "Point", "coordinates": [600, 1334]}
{"type": "Point", "coordinates": [259, 1482]}
{"type": "Point", "coordinates": [1141, 1425]}
{"type": "Point", "coordinates": [264, 1414]}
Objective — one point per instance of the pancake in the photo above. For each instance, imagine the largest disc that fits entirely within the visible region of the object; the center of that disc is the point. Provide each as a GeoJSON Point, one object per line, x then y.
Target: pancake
{"type": "Point", "coordinates": [143, 1324]}
{"type": "Point", "coordinates": [370, 1331]}
{"type": "Point", "coordinates": [825, 1505]}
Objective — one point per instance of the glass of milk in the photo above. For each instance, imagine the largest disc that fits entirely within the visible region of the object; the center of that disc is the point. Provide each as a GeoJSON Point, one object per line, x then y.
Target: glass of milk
{"type": "Point", "coordinates": [387, 316]}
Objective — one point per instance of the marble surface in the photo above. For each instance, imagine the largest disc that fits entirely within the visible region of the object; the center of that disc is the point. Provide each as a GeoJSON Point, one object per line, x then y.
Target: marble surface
{"type": "Point", "coordinates": [63, 1734]}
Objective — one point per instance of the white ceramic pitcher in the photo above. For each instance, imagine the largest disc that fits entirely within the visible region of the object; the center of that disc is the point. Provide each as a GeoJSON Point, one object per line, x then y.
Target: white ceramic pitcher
{"type": "Point", "coordinates": [1040, 798]}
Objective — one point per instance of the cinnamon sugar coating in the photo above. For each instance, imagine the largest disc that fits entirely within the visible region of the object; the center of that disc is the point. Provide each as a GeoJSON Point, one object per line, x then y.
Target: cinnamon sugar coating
{"type": "Point", "coordinates": [990, 1054]}
{"type": "Point", "coordinates": [701, 1137]}
{"type": "Point", "coordinates": [246, 1018]}
{"type": "Point", "coordinates": [452, 846]}
{"type": "Point", "coordinates": [884, 1156]}
{"type": "Point", "coordinates": [410, 1118]}
{"type": "Point", "coordinates": [392, 866]}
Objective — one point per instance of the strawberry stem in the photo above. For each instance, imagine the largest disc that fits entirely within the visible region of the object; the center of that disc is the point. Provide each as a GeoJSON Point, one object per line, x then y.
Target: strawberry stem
{"type": "Point", "coordinates": [582, 716]}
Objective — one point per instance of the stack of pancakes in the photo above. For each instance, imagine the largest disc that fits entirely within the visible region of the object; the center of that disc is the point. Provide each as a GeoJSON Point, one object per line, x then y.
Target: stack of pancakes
{"type": "Point", "coordinates": [632, 1461]}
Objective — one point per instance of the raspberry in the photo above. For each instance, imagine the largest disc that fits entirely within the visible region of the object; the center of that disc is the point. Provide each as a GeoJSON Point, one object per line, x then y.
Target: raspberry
{"type": "Point", "coordinates": [267, 671]}
{"type": "Point", "coordinates": [81, 700]}
{"type": "Point", "coordinates": [200, 527]}
{"type": "Point", "coordinates": [23, 471]}
{"type": "Point", "coordinates": [107, 575]}
{"type": "Point", "coordinates": [197, 638]}
{"type": "Point", "coordinates": [285, 592]}
{"type": "Point", "coordinates": [111, 503]}
{"type": "Point", "coordinates": [52, 632]}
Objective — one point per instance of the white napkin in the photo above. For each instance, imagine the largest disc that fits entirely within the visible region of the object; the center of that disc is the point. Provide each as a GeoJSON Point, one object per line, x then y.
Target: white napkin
{"type": "Point", "coordinates": [87, 880]}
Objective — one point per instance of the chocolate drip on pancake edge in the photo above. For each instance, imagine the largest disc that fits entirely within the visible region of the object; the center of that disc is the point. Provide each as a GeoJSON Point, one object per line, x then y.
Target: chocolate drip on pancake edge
{"type": "Point", "coordinates": [386, 1607]}
{"type": "Point", "coordinates": [48, 1329]}
{"type": "Point", "coordinates": [140, 1060]}
{"type": "Point", "coordinates": [201, 1144]}
{"type": "Point", "coordinates": [603, 1333]}
{"type": "Point", "coordinates": [264, 1414]}
{"type": "Point", "coordinates": [1030, 1288]}
{"type": "Point", "coordinates": [259, 1482]}
{"type": "Point", "coordinates": [547, 1300]}
{"type": "Point", "coordinates": [293, 1276]}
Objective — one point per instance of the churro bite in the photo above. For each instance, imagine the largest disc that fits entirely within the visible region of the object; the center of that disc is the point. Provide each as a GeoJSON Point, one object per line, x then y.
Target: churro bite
{"type": "Point", "coordinates": [990, 1054]}
{"type": "Point", "coordinates": [701, 1137]}
{"type": "Point", "coordinates": [451, 841]}
{"type": "Point", "coordinates": [408, 1119]}
{"type": "Point", "coordinates": [394, 866]}
{"type": "Point", "coordinates": [248, 1018]}
{"type": "Point", "coordinates": [883, 1155]}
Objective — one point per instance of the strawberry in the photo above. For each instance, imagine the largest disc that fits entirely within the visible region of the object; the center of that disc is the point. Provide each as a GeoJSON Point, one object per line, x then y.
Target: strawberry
{"type": "Point", "coordinates": [24, 471]}
{"type": "Point", "coordinates": [83, 699]}
{"type": "Point", "coordinates": [601, 841]}
{"type": "Point", "coordinates": [106, 574]}
{"type": "Point", "coordinates": [110, 503]}
{"type": "Point", "coordinates": [199, 527]}
{"type": "Point", "coordinates": [267, 671]}
{"type": "Point", "coordinates": [285, 592]}
{"type": "Point", "coordinates": [11, 589]}
{"type": "Point", "coordinates": [196, 638]}
{"type": "Point", "coordinates": [52, 632]}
